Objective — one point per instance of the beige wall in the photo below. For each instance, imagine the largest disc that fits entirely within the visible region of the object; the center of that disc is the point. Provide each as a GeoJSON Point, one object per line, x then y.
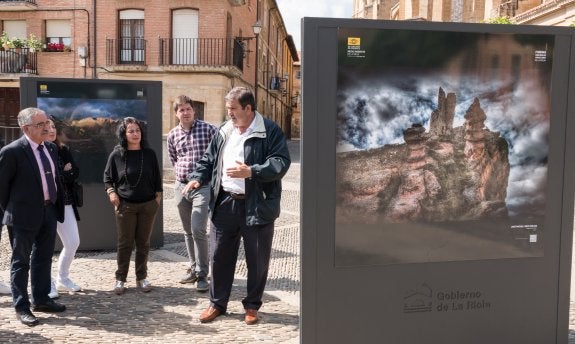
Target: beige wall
{"type": "Point", "coordinates": [207, 88]}
{"type": "Point", "coordinates": [549, 13]}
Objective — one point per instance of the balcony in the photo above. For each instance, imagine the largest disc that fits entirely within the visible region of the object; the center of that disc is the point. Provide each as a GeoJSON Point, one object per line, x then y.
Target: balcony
{"type": "Point", "coordinates": [17, 5]}
{"type": "Point", "coordinates": [201, 52]}
{"type": "Point", "coordinates": [9, 134]}
{"type": "Point", "coordinates": [219, 55]}
{"type": "Point", "coordinates": [17, 61]}
{"type": "Point", "coordinates": [277, 84]}
{"type": "Point", "coordinates": [126, 51]}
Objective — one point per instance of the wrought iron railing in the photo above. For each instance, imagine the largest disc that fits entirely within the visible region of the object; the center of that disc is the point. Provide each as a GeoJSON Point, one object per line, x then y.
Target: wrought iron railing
{"type": "Point", "coordinates": [28, 1]}
{"type": "Point", "coordinates": [125, 51]}
{"type": "Point", "coordinates": [201, 51]}
{"type": "Point", "coordinates": [18, 60]}
{"type": "Point", "coordinates": [9, 134]}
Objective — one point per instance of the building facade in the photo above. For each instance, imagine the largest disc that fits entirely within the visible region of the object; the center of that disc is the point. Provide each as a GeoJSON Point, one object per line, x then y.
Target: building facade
{"type": "Point", "coordinates": [296, 100]}
{"type": "Point", "coordinates": [537, 12]}
{"type": "Point", "coordinates": [201, 48]}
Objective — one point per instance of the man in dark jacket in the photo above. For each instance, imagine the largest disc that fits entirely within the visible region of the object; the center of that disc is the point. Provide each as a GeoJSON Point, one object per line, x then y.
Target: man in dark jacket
{"type": "Point", "coordinates": [244, 165]}
{"type": "Point", "coordinates": [32, 201]}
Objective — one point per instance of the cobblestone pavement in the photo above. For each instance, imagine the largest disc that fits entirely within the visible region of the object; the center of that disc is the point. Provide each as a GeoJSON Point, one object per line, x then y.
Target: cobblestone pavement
{"type": "Point", "coordinates": [170, 312]}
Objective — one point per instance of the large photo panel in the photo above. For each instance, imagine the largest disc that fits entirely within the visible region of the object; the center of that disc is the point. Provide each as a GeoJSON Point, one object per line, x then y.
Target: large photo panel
{"type": "Point", "coordinates": [437, 202]}
{"type": "Point", "coordinates": [442, 150]}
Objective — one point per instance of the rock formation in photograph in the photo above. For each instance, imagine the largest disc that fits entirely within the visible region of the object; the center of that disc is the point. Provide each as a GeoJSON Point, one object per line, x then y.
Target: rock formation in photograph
{"type": "Point", "coordinates": [446, 174]}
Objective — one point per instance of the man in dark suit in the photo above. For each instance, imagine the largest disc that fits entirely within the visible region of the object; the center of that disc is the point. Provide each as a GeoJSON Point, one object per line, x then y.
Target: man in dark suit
{"type": "Point", "coordinates": [31, 199]}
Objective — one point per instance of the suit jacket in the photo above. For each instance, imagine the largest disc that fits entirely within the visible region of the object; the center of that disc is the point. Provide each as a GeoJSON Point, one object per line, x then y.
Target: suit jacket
{"type": "Point", "coordinates": [21, 195]}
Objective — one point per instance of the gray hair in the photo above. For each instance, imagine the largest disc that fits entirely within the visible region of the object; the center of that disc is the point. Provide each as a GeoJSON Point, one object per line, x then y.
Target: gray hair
{"type": "Point", "coordinates": [243, 95]}
{"type": "Point", "coordinates": [25, 116]}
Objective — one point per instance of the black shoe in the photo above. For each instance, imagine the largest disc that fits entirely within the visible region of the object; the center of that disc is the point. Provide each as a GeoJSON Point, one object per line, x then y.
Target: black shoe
{"type": "Point", "coordinates": [27, 318]}
{"type": "Point", "coordinates": [50, 307]}
{"type": "Point", "coordinates": [202, 285]}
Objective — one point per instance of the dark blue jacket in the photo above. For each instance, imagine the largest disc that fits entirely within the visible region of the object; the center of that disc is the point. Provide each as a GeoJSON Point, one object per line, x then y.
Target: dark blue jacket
{"type": "Point", "coordinates": [266, 152]}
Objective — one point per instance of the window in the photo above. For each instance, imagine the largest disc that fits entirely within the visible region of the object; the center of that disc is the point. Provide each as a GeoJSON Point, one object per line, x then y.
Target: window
{"type": "Point", "coordinates": [198, 110]}
{"type": "Point", "coordinates": [185, 36]}
{"type": "Point", "coordinates": [58, 35]}
{"type": "Point", "coordinates": [15, 28]}
{"type": "Point", "coordinates": [131, 42]}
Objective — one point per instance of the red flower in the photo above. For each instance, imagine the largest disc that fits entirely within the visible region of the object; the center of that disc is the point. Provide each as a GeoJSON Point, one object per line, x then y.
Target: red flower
{"type": "Point", "coordinates": [55, 46]}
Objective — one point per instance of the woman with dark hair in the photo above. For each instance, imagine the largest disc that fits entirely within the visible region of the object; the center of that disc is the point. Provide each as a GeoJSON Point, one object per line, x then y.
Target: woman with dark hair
{"type": "Point", "coordinates": [134, 186]}
{"type": "Point", "coordinates": [68, 229]}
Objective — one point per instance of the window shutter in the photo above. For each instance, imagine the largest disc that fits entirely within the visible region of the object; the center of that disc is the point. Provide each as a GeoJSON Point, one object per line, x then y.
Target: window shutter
{"type": "Point", "coordinates": [58, 28]}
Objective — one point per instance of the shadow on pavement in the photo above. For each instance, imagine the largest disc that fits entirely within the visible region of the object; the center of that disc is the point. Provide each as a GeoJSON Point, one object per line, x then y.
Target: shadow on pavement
{"type": "Point", "coordinates": [14, 337]}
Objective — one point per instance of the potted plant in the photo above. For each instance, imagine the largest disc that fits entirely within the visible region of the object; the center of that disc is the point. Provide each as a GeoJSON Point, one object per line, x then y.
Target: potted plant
{"type": "Point", "coordinates": [34, 43]}
{"type": "Point", "coordinates": [5, 41]}
{"type": "Point", "coordinates": [18, 43]}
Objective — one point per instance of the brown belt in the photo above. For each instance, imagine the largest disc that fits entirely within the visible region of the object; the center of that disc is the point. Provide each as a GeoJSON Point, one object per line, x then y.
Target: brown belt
{"type": "Point", "coordinates": [47, 203]}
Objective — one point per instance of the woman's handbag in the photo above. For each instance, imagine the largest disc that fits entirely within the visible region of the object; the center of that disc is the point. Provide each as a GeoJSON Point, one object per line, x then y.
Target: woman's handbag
{"type": "Point", "coordinates": [78, 194]}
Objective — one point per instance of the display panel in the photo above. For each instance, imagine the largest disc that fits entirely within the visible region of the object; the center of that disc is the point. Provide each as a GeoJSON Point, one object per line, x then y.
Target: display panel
{"type": "Point", "coordinates": [442, 149]}
{"type": "Point", "coordinates": [442, 273]}
{"type": "Point", "coordinates": [88, 113]}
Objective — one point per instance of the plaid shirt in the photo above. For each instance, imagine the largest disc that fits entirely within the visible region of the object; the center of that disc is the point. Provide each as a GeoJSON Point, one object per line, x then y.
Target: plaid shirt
{"type": "Point", "coordinates": [187, 147]}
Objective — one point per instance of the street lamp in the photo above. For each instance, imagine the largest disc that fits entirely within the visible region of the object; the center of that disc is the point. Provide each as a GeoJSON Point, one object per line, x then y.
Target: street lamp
{"type": "Point", "coordinates": [257, 27]}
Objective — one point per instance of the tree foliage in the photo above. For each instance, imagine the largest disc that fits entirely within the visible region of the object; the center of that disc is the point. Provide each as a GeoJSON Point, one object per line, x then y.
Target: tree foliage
{"type": "Point", "coordinates": [499, 20]}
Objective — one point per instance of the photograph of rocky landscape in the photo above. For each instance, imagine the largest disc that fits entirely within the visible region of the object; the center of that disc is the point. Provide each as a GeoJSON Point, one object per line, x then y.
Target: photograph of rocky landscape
{"type": "Point", "coordinates": [442, 146]}
{"type": "Point", "coordinates": [88, 127]}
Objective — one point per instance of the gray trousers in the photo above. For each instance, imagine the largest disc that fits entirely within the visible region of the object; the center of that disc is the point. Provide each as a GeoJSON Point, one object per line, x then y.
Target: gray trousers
{"type": "Point", "coordinates": [193, 210]}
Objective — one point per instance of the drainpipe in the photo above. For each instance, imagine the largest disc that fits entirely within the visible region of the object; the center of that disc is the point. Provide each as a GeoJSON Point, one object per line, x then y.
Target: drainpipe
{"type": "Point", "coordinates": [267, 82]}
{"type": "Point", "coordinates": [94, 75]}
{"type": "Point", "coordinates": [257, 58]}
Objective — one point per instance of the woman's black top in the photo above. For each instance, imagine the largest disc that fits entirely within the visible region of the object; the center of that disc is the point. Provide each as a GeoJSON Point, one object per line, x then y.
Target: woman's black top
{"type": "Point", "coordinates": [135, 175]}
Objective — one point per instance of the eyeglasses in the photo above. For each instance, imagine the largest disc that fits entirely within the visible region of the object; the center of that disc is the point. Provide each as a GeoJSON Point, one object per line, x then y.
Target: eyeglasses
{"type": "Point", "coordinates": [39, 124]}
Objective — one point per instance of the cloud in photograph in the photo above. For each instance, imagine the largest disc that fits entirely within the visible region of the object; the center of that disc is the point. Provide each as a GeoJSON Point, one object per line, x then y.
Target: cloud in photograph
{"type": "Point", "coordinates": [76, 109]}
{"type": "Point", "coordinates": [375, 112]}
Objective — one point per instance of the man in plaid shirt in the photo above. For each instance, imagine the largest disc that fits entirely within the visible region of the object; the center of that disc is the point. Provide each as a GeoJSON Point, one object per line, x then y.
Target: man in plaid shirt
{"type": "Point", "coordinates": [187, 143]}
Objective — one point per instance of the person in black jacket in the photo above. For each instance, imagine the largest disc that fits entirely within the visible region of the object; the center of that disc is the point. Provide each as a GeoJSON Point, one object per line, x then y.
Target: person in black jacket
{"type": "Point", "coordinates": [244, 165]}
{"type": "Point", "coordinates": [32, 201]}
{"type": "Point", "coordinates": [134, 186]}
{"type": "Point", "coordinates": [68, 229]}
